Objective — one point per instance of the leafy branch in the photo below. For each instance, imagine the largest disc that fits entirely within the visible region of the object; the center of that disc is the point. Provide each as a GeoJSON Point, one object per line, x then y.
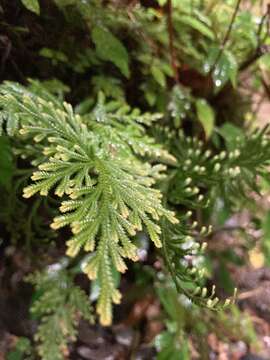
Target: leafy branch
{"type": "Point", "coordinates": [109, 187]}
{"type": "Point", "coordinates": [227, 35]}
{"type": "Point", "coordinates": [59, 306]}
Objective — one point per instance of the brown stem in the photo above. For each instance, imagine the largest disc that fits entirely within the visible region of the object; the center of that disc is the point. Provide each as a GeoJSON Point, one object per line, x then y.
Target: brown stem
{"type": "Point", "coordinates": [266, 87]}
{"type": "Point", "coordinates": [227, 35]}
{"type": "Point", "coordinates": [171, 45]}
{"type": "Point", "coordinates": [141, 33]}
{"type": "Point", "coordinates": [260, 49]}
{"type": "Point", "coordinates": [249, 61]}
{"type": "Point", "coordinates": [260, 28]}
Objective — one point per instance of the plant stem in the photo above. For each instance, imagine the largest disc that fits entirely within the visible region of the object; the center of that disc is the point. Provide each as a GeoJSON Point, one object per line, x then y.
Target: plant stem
{"type": "Point", "coordinates": [171, 44]}
{"type": "Point", "coordinates": [227, 35]}
{"type": "Point", "coordinates": [259, 51]}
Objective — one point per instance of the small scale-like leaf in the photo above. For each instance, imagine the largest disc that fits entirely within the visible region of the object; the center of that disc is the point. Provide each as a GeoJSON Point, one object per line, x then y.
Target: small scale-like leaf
{"type": "Point", "coordinates": [109, 48]}
{"type": "Point", "coordinates": [206, 116]}
{"type": "Point", "coordinates": [32, 5]}
{"type": "Point", "coordinates": [197, 25]}
{"type": "Point", "coordinates": [226, 68]}
{"type": "Point", "coordinates": [230, 133]}
{"type": "Point", "coordinates": [158, 75]}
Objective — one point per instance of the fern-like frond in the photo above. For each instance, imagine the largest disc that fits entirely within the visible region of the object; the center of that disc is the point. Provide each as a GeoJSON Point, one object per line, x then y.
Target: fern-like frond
{"type": "Point", "coordinates": [183, 254]}
{"type": "Point", "coordinates": [59, 307]}
{"type": "Point", "coordinates": [202, 175]}
{"type": "Point", "coordinates": [95, 164]}
{"type": "Point", "coordinates": [125, 126]}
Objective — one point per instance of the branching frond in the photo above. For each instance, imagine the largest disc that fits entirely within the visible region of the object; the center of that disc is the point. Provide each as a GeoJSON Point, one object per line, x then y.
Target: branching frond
{"type": "Point", "coordinates": [183, 254]}
{"type": "Point", "coordinates": [59, 307]}
{"type": "Point", "coordinates": [203, 175]}
{"type": "Point", "coordinates": [94, 163]}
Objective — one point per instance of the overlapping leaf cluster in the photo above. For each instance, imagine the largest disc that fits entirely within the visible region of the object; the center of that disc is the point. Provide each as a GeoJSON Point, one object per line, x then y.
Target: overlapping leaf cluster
{"type": "Point", "coordinates": [59, 305]}
{"type": "Point", "coordinates": [109, 194]}
{"type": "Point", "coordinates": [205, 174]}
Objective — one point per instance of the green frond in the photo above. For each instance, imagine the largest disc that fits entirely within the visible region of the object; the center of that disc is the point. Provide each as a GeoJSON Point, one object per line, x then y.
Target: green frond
{"type": "Point", "coordinates": [58, 307]}
{"type": "Point", "coordinates": [98, 162]}
{"type": "Point", "coordinates": [183, 255]}
{"type": "Point", "coordinates": [201, 175]}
